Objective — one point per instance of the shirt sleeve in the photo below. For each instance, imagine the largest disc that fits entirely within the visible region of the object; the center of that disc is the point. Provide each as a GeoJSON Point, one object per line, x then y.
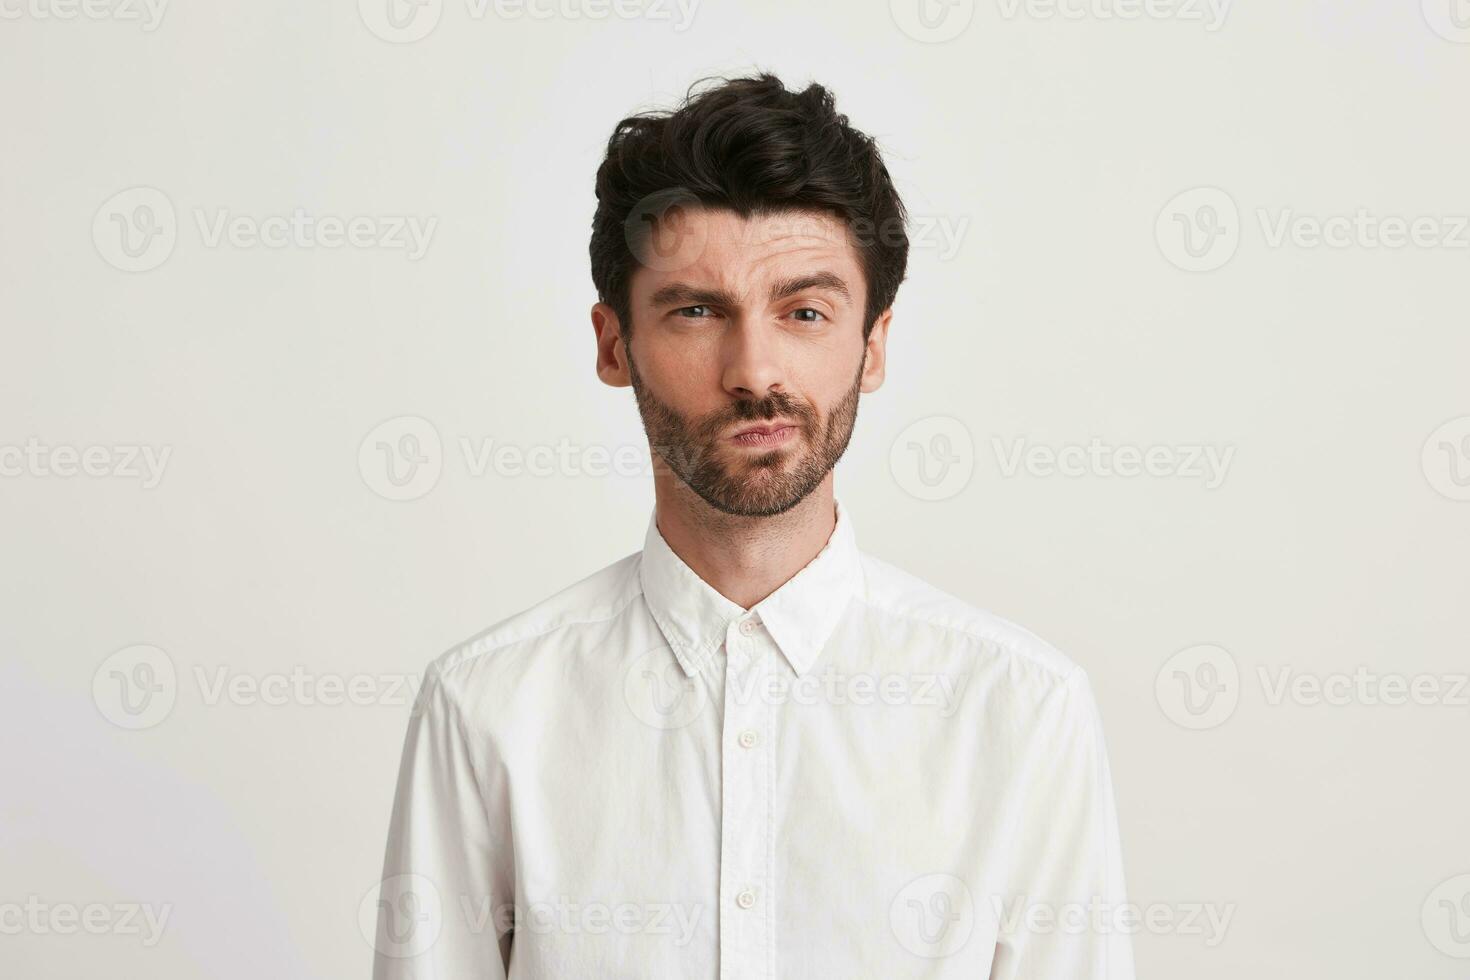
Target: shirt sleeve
{"type": "Point", "coordinates": [1065, 913]}
{"type": "Point", "coordinates": [441, 907]}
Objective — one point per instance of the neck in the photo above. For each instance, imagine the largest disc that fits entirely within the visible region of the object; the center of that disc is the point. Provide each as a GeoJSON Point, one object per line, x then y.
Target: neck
{"type": "Point", "coordinates": [744, 559]}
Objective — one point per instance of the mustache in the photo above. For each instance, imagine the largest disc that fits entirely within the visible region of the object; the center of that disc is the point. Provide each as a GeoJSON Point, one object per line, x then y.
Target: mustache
{"type": "Point", "coordinates": [775, 405]}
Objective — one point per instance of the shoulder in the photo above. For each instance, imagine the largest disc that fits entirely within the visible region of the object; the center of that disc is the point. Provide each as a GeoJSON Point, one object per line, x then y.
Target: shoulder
{"type": "Point", "coordinates": [1019, 687]}
{"type": "Point", "coordinates": [904, 598]}
{"type": "Point", "coordinates": [598, 598]}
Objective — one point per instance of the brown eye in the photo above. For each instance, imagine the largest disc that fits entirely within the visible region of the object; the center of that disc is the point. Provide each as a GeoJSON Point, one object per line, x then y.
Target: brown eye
{"type": "Point", "coordinates": [816, 316]}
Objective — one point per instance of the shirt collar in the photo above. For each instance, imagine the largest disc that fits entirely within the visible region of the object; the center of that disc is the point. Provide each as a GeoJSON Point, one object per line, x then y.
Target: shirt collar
{"type": "Point", "coordinates": [800, 615]}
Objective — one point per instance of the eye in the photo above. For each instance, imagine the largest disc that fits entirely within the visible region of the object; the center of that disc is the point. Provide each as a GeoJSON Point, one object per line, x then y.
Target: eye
{"type": "Point", "coordinates": [684, 312]}
{"type": "Point", "coordinates": [816, 316]}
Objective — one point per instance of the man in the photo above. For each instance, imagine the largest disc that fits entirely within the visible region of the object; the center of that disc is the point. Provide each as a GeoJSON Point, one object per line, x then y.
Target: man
{"type": "Point", "coordinates": [751, 750]}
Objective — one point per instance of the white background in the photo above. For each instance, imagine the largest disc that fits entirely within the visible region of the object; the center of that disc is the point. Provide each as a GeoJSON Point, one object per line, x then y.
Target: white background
{"type": "Point", "coordinates": [1052, 149]}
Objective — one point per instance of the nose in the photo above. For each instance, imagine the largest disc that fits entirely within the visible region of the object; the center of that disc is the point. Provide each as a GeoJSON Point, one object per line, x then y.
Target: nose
{"type": "Point", "coordinates": [752, 361]}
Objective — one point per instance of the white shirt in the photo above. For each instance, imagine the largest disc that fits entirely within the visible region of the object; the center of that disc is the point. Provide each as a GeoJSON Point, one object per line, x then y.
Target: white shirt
{"type": "Point", "coordinates": [860, 776]}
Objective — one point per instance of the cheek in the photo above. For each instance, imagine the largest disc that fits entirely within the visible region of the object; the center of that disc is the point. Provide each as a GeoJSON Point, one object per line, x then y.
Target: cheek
{"type": "Point", "coordinates": [830, 382]}
{"type": "Point", "coordinates": [688, 381]}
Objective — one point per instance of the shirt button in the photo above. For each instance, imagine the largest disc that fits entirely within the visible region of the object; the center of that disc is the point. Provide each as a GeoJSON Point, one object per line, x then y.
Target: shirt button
{"type": "Point", "coordinates": [745, 899]}
{"type": "Point", "coordinates": [748, 739]}
{"type": "Point", "coordinates": [747, 627]}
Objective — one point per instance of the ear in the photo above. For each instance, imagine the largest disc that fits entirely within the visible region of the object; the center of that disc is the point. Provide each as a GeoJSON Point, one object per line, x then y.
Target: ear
{"type": "Point", "coordinates": [612, 356]}
{"type": "Point", "coordinates": [875, 360]}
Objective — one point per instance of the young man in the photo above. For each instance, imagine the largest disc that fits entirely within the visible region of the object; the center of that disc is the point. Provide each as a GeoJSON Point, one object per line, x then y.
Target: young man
{"type": "Point", "coordinates": [751, 750]}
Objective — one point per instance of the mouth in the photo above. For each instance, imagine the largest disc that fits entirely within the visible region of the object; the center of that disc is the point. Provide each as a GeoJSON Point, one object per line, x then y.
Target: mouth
{"type": "Point", "coordinates": [765, 435]}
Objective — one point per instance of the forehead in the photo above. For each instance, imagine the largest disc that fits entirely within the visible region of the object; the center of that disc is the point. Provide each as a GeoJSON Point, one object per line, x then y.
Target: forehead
{"type": "Point", "coordinates": [717, 246]}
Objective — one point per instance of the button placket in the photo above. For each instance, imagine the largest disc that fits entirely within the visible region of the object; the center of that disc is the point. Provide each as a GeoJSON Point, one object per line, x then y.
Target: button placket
{"type": "Point", "coordinates": [745, 874]}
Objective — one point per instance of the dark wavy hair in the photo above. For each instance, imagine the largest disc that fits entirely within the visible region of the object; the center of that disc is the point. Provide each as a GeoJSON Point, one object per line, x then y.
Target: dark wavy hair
{"type": "Point", "coordinates": [751, 146]}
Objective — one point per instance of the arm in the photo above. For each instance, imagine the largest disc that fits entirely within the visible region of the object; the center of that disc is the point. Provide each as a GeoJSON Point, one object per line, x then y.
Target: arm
{"type": "Point", "coordinates": [1064, 915]}
{"type": "Point", "coordinates": [447, 875]}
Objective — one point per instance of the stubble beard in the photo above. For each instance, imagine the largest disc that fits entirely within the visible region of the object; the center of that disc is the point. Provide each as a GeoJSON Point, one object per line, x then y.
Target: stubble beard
{"type": "Point", "coordinates": [756, 485]}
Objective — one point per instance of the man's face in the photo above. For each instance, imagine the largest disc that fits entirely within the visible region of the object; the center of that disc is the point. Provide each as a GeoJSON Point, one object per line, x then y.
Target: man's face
{"type": "Point", "coordinates": [747, 355]}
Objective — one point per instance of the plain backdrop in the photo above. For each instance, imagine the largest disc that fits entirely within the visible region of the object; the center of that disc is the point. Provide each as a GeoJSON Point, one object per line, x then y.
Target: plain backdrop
{"type": "Point", "coordinates": [202, 690]}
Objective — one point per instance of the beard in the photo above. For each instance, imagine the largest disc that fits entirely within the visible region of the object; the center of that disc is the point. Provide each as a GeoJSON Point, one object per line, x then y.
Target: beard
{"type": "Point", "coordinates": [742, 483]}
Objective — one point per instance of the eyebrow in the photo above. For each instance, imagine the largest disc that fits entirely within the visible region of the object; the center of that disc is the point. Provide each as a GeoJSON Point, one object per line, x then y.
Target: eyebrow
{"type": "Point", "coordinates": [683, 292]}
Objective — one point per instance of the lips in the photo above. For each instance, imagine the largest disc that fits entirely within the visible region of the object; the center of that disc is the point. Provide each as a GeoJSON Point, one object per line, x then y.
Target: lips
{"type": "Point", "coordinates": [764, 430]}
{"type": "Point", "coordinates": [765, 435]}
